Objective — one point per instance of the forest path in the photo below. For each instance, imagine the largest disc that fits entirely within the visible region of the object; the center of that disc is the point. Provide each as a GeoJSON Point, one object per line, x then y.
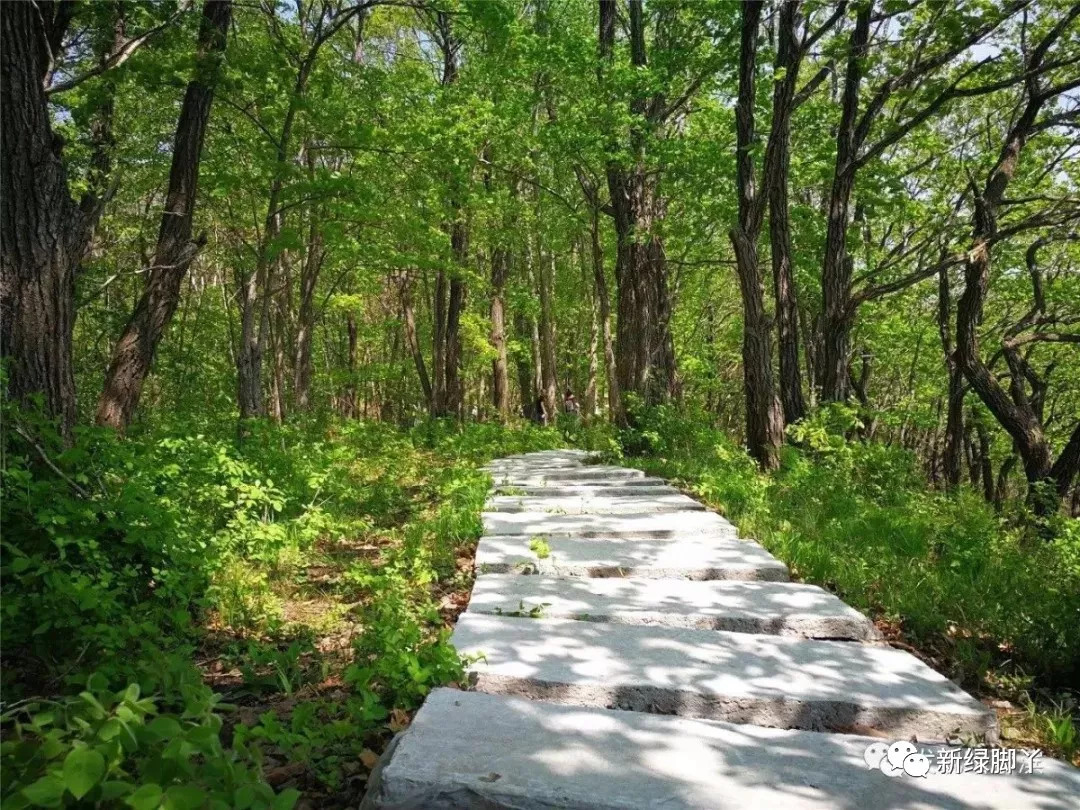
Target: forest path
{"type": "Point", "coordinates": [632, 651]}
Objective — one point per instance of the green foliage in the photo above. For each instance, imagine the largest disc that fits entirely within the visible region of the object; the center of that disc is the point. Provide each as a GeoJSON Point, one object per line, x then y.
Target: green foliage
{"type": "Point", "coordinates": [120, 749]}
{"type": "Point", "coordinates": [540, 547]}
{"type": "Point", "coordinates": [135, 545]}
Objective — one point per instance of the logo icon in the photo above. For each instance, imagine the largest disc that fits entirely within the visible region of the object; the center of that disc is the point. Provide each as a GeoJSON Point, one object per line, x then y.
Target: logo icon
{"type": "Point", "coordinates": [898, 759]}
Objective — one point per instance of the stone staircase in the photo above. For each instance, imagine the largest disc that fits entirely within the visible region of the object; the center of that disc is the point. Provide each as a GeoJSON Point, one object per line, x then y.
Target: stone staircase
{"type": "Point", "coordinates": [633, 652]}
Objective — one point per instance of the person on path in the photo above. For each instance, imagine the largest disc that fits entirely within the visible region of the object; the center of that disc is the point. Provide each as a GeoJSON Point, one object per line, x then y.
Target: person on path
{"type": "Point", "coordinates": [570, 404]}
{"type": "Point", "coordinates": [540, 415]}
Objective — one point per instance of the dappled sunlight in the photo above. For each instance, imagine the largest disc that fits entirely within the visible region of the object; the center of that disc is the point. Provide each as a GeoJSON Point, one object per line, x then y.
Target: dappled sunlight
{"type": "Point", "coordinates": [768, 680]}
{"type": "Point", "coordinates": [512, 751]}
{"type": "Point", "coordinates": [606, 556]}
{"type": "Point", "coordinates": [595, 505]}
{"type": "Point", "coordinates": [630, 525]}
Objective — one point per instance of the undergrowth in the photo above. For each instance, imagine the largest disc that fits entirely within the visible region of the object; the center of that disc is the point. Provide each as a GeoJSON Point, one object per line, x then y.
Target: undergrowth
{"type": "Point", "coordinates": [174, 546]}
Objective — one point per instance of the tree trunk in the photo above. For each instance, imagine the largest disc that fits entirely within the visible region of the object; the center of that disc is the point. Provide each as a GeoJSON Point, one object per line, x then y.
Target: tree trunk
{"type": "Point", "coordinates": [454, 391]}
{"type": "Point", "coordinates": [249, 355]}
{"type": "Point", "coordinates": [954, 412]}
{"type": "Point", "coordinates": [408, 318]}
{"type": "Point", "coordinates": [986, 472]}
{"type": "Point", "coordinates": [438, 348]}
{"type": "Point", "coordinates": [500, 377]}
{"type": "Point", "coordinates": [43, 231]}
{"type": "Point", "coordinates": [523, 362]}
{"type": "Point", "coordinates": [449, 393]}
{"type": "Point", "coordinates": [175, 250]}
{"type": "Point", "coordinates": [278, 340]}
{"type": "Point", "coordinates": [764, 418]}
{"type": "Point", "coordinates": [305, 316]}
{"type": "Point", "coordinates": [615, 408]}
{"type": "Point", "coordinates": [349, 409]}
{"type": "Point", "coordinates": [1048, 481]}
{"type": "Point", "coordinates": [588, 401]}
{"type": "Point", "coordinates": [549, 378]}
{"type": "Point", "coordinates": [1001, 488]}
{"type": "Point", "coordinates": [787, 309]}
{"type": "Point", "coordinates": [537, 361]}
{"type": "Point", "coordinates": [255, 286]}
{"type": "Point", "coordinates": [645, 357]}
{"type": "Point", "coordinates": [836, 267]}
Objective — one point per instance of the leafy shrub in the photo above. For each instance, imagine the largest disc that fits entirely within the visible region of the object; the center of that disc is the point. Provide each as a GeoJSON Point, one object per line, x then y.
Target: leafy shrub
{"type": "Point", "coordinates": [119, 749]}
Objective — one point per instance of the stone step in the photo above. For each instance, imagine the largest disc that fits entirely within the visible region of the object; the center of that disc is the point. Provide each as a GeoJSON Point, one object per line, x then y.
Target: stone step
{"type": "Point", "coordinates": [593, 504]}
{"type": "Point", "coordinates": [673, 524]}
{"type": "Point", "coordinates": [539, 456]}
{"type": "Point", "coordinates": [736, 677]}
{"type": "Point", "coordinates": [533, 475]}
{"type": "Point", "coordinates": [534, 466]}
{"type": "Point", "coordinates": [783, 608]}
{"type": "Point", "coordinates": [467, 750]}
{"type": "Point", "coordinates": [562, 452]}
{"type": "Point", "coordinates": [685, 557]}
{"type": "Point", "coordinates": [636, 486]}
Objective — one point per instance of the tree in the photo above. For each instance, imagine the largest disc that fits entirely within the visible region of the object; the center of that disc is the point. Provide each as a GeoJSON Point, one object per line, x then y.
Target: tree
{"type": "Point", "coordinates": [175, 250]}
{"type": "Point", "coordinates": [1016, 411]}
{"type": "Point", "coordinates": [44, 231]}
{"type": "Point", "coordinates": [917, 82]}
{"type": "Point", "coordinates": [795, 38]}
{"type": "Point", "coordinates": [645, 354]}
{"type": "Point", "coordinates": [764, 417]}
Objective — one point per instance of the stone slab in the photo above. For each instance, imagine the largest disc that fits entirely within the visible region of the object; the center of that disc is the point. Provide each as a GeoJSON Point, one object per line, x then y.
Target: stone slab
{"type": "Point", "coordinates": [685, 557]}
{"type": "Point", "coordinates": [782, 608]}
{"type": "Point", "coordinates": [637, 486]}
{"type": "Point", "coordinates": [593, 504]}
{"type": "Point", "coordinates": [562, 452]}
{"type": "Point", "coordinates": [672, 524]}
{"type": "Point", "coordinates": [736, 677]}
{"type": "Point", "coordinates": [466, 750]}
{"type": "Point", "coordinates": [533, 475]}
{"type": "Point", "coordinates": [534, 466]}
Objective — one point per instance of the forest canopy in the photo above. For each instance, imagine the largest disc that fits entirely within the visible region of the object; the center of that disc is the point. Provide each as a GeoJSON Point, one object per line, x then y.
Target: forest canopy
{"type": "Point", "coordinates": [280, 273]}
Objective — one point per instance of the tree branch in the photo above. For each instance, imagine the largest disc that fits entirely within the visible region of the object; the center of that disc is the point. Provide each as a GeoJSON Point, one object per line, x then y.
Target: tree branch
{"type": "Point", "coordinates": [120, 55]}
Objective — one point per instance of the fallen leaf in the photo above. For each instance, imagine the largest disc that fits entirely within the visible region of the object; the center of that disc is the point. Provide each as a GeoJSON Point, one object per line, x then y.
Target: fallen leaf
{"type": "Point", "coordinates": [284, 773]}
{"type": "Point", "coordinates": [369, 758]}
{"type": "Point", "coordinates": [399, 720]}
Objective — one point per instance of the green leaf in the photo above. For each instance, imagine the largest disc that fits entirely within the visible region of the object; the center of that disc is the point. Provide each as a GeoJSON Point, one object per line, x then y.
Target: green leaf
{"type": "Point", "coordinates": [147, 797]}
{"type": "Point", "coordinates": [83, 768]}
{"type": "Point", "coordinates": [164, 727]}
{"type": "Point", "coordinates": [286, 799]}
{"type": "Point", "coordinates": [20, 564]}
{"type": "Point", "coordinates": [46, 791]}
{"type": "Point", "coordinates": [184, 797]}
{"type": "Point", "coordinates": [114, 789]}
{"type": "Point", "coordinates": [244, 797]}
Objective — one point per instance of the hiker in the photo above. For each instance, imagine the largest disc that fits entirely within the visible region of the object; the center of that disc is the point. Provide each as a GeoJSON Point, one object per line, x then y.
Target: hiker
{"type": "Point", "coordinates": [570, 404]}
{"type": "Point", "coordinates": [540, 415]}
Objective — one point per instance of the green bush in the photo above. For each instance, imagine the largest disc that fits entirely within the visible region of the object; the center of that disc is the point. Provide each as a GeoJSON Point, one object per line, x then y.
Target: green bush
{"type": "Point", "coordinates": [117, 749]}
